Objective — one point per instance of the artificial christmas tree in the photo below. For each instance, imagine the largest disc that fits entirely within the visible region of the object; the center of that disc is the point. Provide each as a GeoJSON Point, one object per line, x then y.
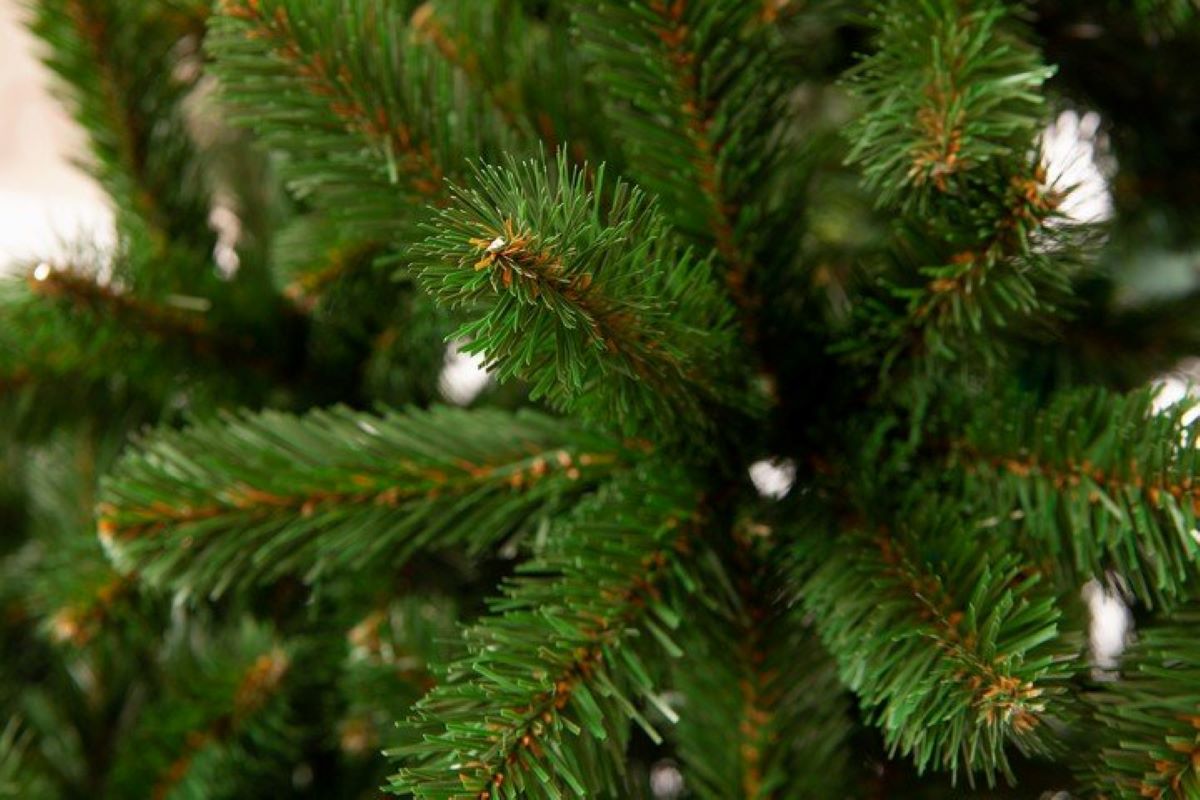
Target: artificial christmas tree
{"type": "Point", "coordinates": [249, 550]}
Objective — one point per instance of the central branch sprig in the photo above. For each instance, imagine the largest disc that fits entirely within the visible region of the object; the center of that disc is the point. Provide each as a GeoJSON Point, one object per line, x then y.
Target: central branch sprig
{"type": "Point", "coordinates": [541, 274]}
{"type": "Point", "coordinates": [580, 289]}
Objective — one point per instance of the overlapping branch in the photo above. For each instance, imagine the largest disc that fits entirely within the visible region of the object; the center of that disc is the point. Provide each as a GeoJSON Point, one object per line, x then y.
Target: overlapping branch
{"type": "Point", "coordinates": [395, 652]}
{"type": "Point", "coordinates": [17, 779]}
{"type": "Point", "coordinates": [358, 107]}
{"type": "Point", "coordinates": [524, 64]}
{"type": "Point", "coordinates": [1148, 719]}
{"type": "Point", "coordinates": [63, 329]}
{"type": "Point", "coordinates": [119, 64]}
{"type": "Point", "coordinates": [80, 622]}
{"type": "Point", "coordinates": [697, 99]}
{"type": "Point", "coordinates": [325, 76]}
{"type": "Point", "coordinates": [760, 698]}
{"type": "Point", "coordinates": [950, 91]}
{"type": "Point", "coordinates": [223, 724]}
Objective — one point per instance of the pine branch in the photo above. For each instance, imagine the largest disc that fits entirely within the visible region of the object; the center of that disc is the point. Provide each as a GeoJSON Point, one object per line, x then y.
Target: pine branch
{"type": "Point", "coordinates": [11, 745]}
{"type": "Point", "coordinates": [1012, 258]}
{"type": "Point", "coordinates": [290, 51]}
{"type": "Point", "coordinates": [180, 325]}
{"type": "Point", "coordinates": [463, 54]}
{"type": "Point", "coordinates": [396, 331]}
{"type": "Point", "coordinates": [1147, 720]}
{"type": "Point", "coordinates": [585, 298]}
{"type": "Point", "coordinates": [70, 586]}
{"type": "Point", "coordinates": [774, 11]}
{"type": "Point", "coordinates": [73, 346]}
{"type": "Point", "coordinates": [222, 725]}
{"type": "Point", "coordinates": [696, 96]}
{"type": "Point", "coordinates": [950, 91]}
{"type": "Point", "coordinates": [312, 257]}
{"type": "Point", "coordinates": [408, 355]}
{"type": "Point", "coordinates": [953, 657]}
{"type": "Point", "coordinates": [361, 114]}
{"type": "Point", "coordinates": [1101, 482]}
{"type": "Point", "coordinates": [953, 109]}
{"type": "Point", "coordinates": [121, 120]}
{"type": "Point", "coordinates": [118, 62]}
{"type": "Point", "coordinates": [761, 701]}
{"type": "Point", "coordinates": [250, 498]}
{"type": "Point", "coordinates": [527, 69]}
{"type": "Point", "coordinates": [254, 691]}
{"type": "Point", "coordinates": [69, 324]}
{"type": "Point", "coordinates": [540, 707]}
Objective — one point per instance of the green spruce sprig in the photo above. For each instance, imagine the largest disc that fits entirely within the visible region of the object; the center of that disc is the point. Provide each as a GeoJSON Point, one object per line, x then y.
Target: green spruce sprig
{"type": "Point", "coordinates": [541, 706]}
{"type": "Point", "coordinates": [581, 290]}
{"type": "Point", "coordinates": [951, 646]}
{"type": "Point", "coordinates": [253, 498]}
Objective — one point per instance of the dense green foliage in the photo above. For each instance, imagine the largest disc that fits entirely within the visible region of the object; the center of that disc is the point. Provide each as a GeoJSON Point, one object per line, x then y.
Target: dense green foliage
{"type": "Point", "coordinates": [250, 547]}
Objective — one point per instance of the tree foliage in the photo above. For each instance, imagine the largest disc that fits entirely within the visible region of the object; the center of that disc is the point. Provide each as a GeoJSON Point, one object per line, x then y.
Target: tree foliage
{"type": "Point", "coordinates": [1099, 483]}
{"type": "Point", "coordinates": [808, 401]}
{"type": "Point", "coordinates": [975, 670]}
{"type": "Point", "coordinates": [191, 511]}
{"type": "Point", "coordinates": [1148, 718]}
{"type": "Point", "coordinates": [583, 293]}
{"type": "Point", "coordinates": [541, 706]}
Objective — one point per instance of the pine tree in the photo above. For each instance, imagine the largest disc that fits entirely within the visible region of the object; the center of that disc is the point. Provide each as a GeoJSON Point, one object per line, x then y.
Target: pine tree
{"type": "Point", "coordinates": [249, 549]}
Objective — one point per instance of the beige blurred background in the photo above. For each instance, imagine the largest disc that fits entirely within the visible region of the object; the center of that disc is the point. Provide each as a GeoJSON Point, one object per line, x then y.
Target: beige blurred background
{"type": "Point", "coordinates": [44, 199]}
